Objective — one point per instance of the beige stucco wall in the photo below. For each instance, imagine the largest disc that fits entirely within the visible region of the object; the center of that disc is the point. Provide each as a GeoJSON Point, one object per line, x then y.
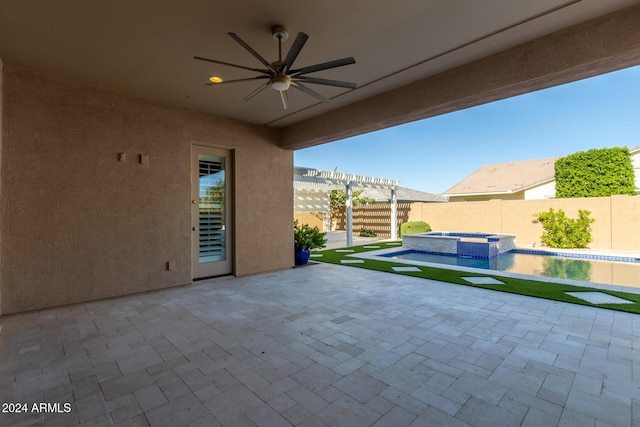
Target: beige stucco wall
{"type": "Point", "coordinates": [310, 218]}
{"type": "Point", "coordinates": [78, 225]}
{"type": "Point", "coordinates": [617, 224]}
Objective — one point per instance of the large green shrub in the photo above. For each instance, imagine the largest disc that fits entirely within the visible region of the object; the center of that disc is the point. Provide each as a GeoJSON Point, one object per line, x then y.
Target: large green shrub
{"type": "Point", "coordinates": [367, 232]}
{"type": "Point", "coordinates": [561, 231]}
{"type": "Point", "coordinates": [595, 173]}
{"type": "Point", "coordinates": [413, 227]}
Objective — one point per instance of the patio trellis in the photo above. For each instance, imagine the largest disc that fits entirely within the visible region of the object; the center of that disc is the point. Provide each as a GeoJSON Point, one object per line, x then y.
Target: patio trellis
{"type": "Point", "coordinates": [312, 188]}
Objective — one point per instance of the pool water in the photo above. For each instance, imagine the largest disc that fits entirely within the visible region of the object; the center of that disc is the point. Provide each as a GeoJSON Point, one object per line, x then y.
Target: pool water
{"type": "Point", "coordinates": [586, 270]}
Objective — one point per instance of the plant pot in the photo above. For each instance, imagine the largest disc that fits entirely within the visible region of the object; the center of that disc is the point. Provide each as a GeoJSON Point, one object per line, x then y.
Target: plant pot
{"type": "Point", "coordinates": [302, 256]}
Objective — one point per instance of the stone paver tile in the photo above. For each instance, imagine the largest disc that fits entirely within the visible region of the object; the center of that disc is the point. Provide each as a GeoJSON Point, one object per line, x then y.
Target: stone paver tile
{"type": "Point", "coordinates": [599, 298]}
{"type": "Point", "coordinates": [126, 412]}
{"type": "Point", "coordinates": [307, 399]}
{"type": "Point", "coordinates": [316, 377]}
{"type": "Point", "coordinates": [137, 421]}
{"type": "Point", "coordinates": [90, 408]}
{"type": "Point", "coordinates": [407, 269]}
{"type": "Point", "coordinates": [555, 389]}
{"type": "Point", "coordinates": [232, 404]}
{"type": "Point", "coordinates": [282, 403]}
{"type": "Point", "coordinates": [434, 417]}
{"type": "Point", "coordinates": [396, 417]}
{"type": "Point", "coordinates": [487, 390]}
{"type": "Point", "coordinates": [349, 366]}
{"type": "Point", "coordinates": [537, 418]}
{"type": "Point", "coordinates": [149, 397]}
{"type": "Point", "coordinates": [206, 421]}
{"type": "Point", "coordinates": [517, 379]}
{"type": "Point", "coordinates": [571, 418]}
{"type": "Point", "coordinates": [445, 405]}
{"type": "Point", "coordinates": [480, 413]}
{"type": "Point", "coordinates": [379, 357]}
{"type": "Point", "coordinates": [313, 421]}
{"type": "Point", "coordinates": [330, 393]}
{"type": "Point", "coordinates": [439, 382]}
{"type": "Point", "coordinates": [483, 280]}
{"type": "Point", "coordinates": [347, 412]}
{"type": "Point", "coordinates": [600, 408]}
{"type": "Point", "coordinates": [518, 401]}
{"type": "Point", "coordinates": [531, 353]}
{"type": "Point", "coordinates": [276, 389]}
{"type": "Point", "coordinates": [360, 386]}
{"type": "Point", "coordinates": [138, 359]}
{"type": "Point", "coordinates": [404, 400]}
{"type": "Point", "coordinates": [380, 405]}
{"type": "Point", "coordinates": [296, 414]}
{"type": "Point", "coordinates": [265, 416]}
{"type": "Point", "coordinates": [85, 387]}
{"type": "Point", "coordinates": [125, 384]}
{"type": "Point", "coordinates": [402, 379]}
{"type": "Point", "coordinates": [54, 419]}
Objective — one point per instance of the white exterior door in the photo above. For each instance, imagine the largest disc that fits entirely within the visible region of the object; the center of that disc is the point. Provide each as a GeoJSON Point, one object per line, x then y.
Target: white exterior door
{"type": "Point", "coordinates": [211, 212]}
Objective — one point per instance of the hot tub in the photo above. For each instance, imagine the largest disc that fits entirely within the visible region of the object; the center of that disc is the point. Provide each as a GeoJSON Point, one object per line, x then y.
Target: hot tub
{"type": "Point", "coordinates": [474, 245]}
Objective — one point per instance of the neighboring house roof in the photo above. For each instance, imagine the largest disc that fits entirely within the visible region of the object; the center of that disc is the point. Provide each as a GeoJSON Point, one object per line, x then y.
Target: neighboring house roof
{"type": "Point", "coordinates": [403, 194]}
{"type": "Point", "coordinates": [504, 178]}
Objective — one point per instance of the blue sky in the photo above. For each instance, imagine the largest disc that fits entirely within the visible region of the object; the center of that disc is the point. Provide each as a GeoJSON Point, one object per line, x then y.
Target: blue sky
{"type": "Point", "coordinates": [434, 154]}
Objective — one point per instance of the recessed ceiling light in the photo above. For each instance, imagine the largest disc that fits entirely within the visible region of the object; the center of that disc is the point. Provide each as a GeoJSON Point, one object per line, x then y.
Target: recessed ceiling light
{"type": "Point", "coordinates": [215, 79]}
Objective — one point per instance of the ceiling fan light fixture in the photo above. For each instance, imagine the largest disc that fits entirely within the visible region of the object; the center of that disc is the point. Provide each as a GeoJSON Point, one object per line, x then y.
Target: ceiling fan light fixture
{"type": "Point", "coordinates": [215, 79]}
{"type": "Point", "coordinates": [280, 82]}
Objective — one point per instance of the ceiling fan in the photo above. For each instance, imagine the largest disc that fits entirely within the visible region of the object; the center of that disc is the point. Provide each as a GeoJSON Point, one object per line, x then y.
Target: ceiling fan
{"type": "Point", "coordinates": [279, 74]}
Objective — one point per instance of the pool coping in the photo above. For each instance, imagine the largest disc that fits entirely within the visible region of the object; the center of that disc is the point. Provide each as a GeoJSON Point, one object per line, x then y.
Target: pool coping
{"type": "Point", "coordinates": [377, 255]}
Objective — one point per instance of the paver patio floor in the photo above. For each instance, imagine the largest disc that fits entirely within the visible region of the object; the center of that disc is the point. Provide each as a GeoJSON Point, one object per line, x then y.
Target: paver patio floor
{"type": "Point", "coordinates": [323, 345]}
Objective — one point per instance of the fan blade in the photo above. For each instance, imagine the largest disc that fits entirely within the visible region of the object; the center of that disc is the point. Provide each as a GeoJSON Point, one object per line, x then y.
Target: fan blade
{"type": "Point", "coordinates": [323, 66]}
{"type": "Point", "coordinates": [253, 52]}
{"type": "Point", "coordinates": [231, 65]}
{"type": "Point", "coordinates": [325, 82]}
{"type": "Point", "coordinates": [308, 91]}
{"type": "Point", "coordinates": [285, 99]}
{"type": "Point", "coordinates": [255, 92]}
{"type": "Point", "coordinates": [301, 39]}
{"type": "Point", "coordinates": [237, 80]}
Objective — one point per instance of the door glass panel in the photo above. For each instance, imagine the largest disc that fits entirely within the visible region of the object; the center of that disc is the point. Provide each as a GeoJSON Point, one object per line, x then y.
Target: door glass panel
{"type": "Point", "coordinates": [211, 191]}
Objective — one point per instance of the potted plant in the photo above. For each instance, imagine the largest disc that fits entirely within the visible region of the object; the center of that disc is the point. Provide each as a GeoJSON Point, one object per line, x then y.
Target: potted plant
{"type": "Point", "coordinates": [305, 239]}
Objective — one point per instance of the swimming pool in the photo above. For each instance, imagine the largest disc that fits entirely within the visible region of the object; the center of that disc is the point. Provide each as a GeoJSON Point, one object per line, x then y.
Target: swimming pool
{"type": "Point", "coordinates": [623, 271]}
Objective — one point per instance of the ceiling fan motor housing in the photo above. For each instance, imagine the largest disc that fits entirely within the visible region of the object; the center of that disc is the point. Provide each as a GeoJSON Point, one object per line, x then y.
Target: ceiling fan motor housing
{"type": "Point", "coordinates": [279, 33]}
{"type": "Point", "coordinates": [280, 82]}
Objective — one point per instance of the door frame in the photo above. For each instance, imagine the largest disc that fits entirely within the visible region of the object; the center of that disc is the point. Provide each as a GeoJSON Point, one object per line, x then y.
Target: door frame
{"type": "Point", "coordinates": [229, 263]}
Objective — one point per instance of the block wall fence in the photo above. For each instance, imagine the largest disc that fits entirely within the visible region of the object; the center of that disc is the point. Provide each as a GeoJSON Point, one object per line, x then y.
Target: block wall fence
{"type": "Point", "coordinates": [616, 226]}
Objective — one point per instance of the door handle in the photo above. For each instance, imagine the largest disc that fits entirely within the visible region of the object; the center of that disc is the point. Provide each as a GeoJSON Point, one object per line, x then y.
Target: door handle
{"type": "Point", "coordinates": [195, 228]}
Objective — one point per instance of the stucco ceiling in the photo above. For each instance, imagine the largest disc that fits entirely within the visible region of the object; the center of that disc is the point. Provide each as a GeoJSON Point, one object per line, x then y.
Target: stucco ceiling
{"type": "Point", "coordinates": [146, 47]}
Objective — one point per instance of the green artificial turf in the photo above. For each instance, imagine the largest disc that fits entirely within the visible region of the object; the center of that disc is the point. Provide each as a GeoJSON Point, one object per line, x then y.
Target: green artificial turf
{"type": "Point", "coordinates": [533, 288]}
